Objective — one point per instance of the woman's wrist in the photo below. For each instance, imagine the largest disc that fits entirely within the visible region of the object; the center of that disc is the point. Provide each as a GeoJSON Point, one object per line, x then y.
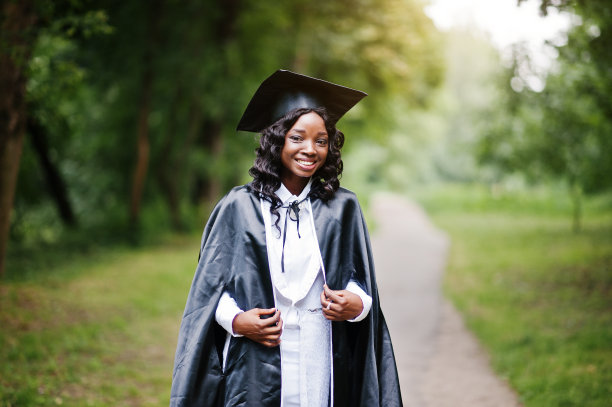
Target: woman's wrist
{"type": "Point", "coordinates": [235, 326]}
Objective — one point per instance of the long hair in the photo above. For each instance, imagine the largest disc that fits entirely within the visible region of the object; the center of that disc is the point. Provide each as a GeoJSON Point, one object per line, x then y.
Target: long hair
{"type": "Point", "coordinates": [266, 171]}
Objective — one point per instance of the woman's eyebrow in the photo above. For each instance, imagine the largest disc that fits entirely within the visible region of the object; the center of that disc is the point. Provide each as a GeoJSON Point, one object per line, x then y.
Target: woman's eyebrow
{"type": "Point", "coordinates": [321, 133]}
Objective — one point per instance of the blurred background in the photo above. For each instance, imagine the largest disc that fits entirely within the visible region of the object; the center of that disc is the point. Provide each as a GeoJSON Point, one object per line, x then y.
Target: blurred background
{"type": "Point", "coordinates": [118, 136]}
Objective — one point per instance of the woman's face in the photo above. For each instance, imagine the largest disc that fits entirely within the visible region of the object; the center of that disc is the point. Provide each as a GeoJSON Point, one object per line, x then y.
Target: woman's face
{"type": "Point", "coordinates": [305, 150]}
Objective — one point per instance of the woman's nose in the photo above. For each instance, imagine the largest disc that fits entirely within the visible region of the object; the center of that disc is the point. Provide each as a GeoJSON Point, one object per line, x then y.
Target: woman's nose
{"type": "Point", "coordinates": [309, 147]}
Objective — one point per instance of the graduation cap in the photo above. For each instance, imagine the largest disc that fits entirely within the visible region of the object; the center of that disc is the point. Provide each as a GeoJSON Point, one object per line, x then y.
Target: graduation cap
{"type": "Point", "coordinates": [284, 91]}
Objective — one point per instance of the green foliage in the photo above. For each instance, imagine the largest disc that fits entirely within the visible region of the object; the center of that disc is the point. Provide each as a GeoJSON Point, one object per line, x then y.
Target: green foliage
{"type": "Point", "coordinates": [462, 106]}
{"type": "Point", "coordinates": [435, 142]}
{"type": "Point", "coordinates": [563, 131]}
{"type": "Point", "coordinates": [186, 70]}
{"type": "Point", "coordinates": [536, 295]}
{"type": "Point", "coordinates": [559, 132]}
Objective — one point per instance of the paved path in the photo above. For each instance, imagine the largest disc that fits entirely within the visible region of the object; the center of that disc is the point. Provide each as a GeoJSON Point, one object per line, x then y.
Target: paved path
{"type": "Point", "coordinates": [440, 363]}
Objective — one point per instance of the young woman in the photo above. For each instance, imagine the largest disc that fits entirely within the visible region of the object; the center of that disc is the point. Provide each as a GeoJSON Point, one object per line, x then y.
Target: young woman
{"type": "Point", "coordinates": [283, 309]}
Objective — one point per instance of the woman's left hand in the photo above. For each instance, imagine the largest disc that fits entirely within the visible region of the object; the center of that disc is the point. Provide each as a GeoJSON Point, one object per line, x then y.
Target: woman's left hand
{"type": "Point", "coordinates": [340, 305]}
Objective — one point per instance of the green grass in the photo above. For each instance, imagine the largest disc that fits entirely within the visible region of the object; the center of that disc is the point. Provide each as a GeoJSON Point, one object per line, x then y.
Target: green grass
{"type": "Point", "coordinates": [95, 333]}
{"type": "Point", "coordinates": [537, 295]}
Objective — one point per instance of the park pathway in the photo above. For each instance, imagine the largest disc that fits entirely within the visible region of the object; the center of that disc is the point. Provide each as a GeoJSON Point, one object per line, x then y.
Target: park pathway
{"type": "Point", "coordinates": [440, 363]}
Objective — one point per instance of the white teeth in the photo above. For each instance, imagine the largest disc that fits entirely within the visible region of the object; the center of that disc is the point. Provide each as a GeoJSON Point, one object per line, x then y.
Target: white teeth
{"type": "Point", "coordinates": [305, 162]}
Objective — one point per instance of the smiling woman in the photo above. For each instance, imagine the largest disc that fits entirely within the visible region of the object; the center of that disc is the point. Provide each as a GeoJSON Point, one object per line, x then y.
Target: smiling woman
{"type": "Point", "coordinates": [284, 307]}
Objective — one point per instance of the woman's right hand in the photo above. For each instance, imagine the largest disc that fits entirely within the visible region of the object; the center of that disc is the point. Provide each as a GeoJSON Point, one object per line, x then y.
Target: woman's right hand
{"type": "Point", "coordinates": [266, 330]}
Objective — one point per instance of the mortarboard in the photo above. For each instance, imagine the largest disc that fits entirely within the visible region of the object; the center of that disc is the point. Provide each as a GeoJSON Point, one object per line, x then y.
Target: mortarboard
{"type": "Point", "coordinates": [285, 90]}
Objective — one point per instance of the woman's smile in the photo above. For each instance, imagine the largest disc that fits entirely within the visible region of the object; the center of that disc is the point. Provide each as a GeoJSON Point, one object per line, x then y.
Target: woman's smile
{"type": "Point", "coordinates": [307, 164]}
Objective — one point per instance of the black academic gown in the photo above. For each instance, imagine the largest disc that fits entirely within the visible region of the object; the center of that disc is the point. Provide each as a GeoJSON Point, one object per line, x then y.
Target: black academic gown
{"type": "Point", "coordinates": [233, 258]}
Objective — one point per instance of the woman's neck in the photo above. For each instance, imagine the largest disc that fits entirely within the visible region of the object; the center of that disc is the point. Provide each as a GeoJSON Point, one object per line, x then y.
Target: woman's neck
{"type": "Point", "coordinates": [294, 184]}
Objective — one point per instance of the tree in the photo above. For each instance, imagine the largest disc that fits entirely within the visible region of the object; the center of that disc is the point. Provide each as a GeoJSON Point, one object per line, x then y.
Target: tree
{"type": "Point", "coordinates": [209, 58]}
{"type": "Point", "coordinates": [17, 25]}
{"type": "Point", "coordinates": [563, 131]}
{"type": "Point", "coordinates": [21, 25]}
{"type": "Point", "coordinates": [145, 114]}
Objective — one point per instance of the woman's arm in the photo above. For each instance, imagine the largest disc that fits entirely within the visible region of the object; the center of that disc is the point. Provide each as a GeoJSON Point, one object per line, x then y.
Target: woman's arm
{"type": "Point", "coordinates": [366, 300]}
{"type": "Point", "coordinates": [226, 312]}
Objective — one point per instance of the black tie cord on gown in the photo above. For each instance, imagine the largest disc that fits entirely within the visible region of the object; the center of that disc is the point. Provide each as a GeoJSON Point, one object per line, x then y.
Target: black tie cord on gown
{"type": "Point", "coordinates": [293, 210]}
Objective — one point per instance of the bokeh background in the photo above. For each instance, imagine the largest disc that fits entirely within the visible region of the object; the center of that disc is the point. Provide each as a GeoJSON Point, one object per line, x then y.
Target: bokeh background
{"type": "Point", "coordinates": [118, 136]}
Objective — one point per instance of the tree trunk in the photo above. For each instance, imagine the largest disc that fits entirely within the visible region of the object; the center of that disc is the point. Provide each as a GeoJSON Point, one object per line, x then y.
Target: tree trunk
{"type": "Point", "coordinates": [17, 37]}
{"type": "Point", "coordinates": [55, 183]}
{"type": "Point", "coordinates": [207, 186]}
{"type": "Point", "coordinates": [213, 190]}
{"type": "Point", "coordinates": [143, 145]}
{"type": "Point", "coordinates": [169, 168]}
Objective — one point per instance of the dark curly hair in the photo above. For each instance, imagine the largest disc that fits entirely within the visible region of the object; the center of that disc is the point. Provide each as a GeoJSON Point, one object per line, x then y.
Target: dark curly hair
{"type": "Point", "coordinates": [266, 171]}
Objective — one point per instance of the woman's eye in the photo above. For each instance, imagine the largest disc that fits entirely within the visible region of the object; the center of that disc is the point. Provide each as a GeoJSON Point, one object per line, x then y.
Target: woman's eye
{"type": "Point", "coordinates": [295, 138]}
{"type": "Point", "coordinates": [322, 142]}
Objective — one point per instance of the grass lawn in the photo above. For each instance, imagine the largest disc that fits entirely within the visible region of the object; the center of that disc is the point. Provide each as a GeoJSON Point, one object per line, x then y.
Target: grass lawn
{"type": "Point", "coordinates": [95, 333]}
{"type": "Point", "coordinates": [537, 295]}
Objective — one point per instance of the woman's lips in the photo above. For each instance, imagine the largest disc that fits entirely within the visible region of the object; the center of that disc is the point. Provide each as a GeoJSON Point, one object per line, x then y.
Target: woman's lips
{"type": "Point", "coordinates": [304, 163]}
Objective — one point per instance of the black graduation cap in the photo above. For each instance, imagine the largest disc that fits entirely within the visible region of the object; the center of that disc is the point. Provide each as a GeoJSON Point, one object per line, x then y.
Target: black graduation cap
{"type": "Point", "coordinates": [285, 90]}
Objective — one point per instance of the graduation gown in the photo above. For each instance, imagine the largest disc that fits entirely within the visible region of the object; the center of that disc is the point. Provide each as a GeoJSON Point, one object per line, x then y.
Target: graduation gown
{"type": "Point", "coordinates": [233, 258]}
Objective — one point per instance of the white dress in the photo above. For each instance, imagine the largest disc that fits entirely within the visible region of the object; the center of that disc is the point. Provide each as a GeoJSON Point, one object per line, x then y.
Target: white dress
{"type": "Point", "coordinates": [306, 367]}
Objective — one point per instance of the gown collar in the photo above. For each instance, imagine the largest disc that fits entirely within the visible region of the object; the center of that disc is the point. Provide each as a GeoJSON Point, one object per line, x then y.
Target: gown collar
{"type": "Point", "coordinates": [285, 196]}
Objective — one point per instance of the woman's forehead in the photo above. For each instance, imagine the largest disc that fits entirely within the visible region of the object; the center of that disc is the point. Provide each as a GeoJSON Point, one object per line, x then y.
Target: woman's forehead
{"type": "Point", "coordinates": [309, 121]}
